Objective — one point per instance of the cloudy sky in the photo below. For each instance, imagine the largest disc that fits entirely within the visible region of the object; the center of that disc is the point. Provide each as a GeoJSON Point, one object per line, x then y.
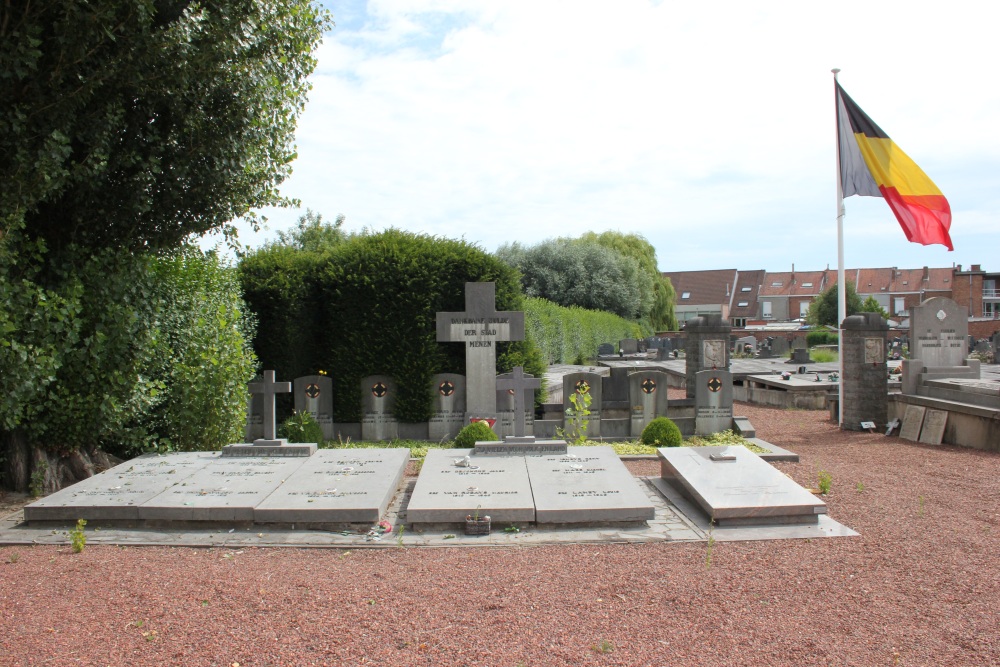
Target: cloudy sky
{"type": "Point", "coordinates": [706, 127]}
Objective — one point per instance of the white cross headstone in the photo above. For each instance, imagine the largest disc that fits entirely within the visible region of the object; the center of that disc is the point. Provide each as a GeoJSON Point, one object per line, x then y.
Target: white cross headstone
{"type": "Point", "coordinates": [518, 382]}
{"type": "Point", "coordinates": [268, 388]}
{"type": "Point", "coordinates": [480, 327]}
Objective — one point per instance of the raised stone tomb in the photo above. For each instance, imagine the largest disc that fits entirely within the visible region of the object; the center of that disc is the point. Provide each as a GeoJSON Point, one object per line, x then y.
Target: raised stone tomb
{"type": "Point", "coordinates": [734, 486]}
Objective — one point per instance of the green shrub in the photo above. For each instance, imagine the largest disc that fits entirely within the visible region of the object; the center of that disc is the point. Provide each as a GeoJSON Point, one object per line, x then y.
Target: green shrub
{"type": "Point", "coordinates": [301, 427]}
{"type": "Point", "coordinates": [661, 432]}
{"type": "Point", "coordinates": [570, 335]}
{"type": "Point", "coordinates": [814, 338]}
{"type": "Point", "coordinates": [476, 431]}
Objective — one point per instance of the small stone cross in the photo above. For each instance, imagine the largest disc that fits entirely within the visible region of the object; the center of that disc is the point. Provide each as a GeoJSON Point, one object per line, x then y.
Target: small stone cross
{"type": "Point", "coordinates": [269, 388]}
{"type": "Point", "coordinates": [518, 382]}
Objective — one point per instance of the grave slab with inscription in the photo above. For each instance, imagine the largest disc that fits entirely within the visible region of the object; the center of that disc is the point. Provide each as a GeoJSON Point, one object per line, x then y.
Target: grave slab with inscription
{"type": "Point", "coordinates": [932, 431]}
{"type": "Point", "coordinates": [337, 486]}
{"type": "Point", "coordinates": [913, 419]}
{"type": "Point", "coordinates": [447, 491]}
{"type": "Point", "coordinates": [587, 484]}
{"type": "Point", "coordinates": [117, 494]}
{"type": "Point", "coordinates": [227, 489]}
{"type": "Point", "coordinates": [734, 486]}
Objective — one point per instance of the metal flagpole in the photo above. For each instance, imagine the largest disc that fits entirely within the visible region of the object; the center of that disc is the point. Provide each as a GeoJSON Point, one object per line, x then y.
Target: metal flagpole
{"type": "Point", "coordinates": [841, 283]}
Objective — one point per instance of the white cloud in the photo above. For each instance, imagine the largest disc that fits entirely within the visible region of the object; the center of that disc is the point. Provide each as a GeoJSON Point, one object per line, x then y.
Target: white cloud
{"type": "Point", "coordinates": [706, 127]}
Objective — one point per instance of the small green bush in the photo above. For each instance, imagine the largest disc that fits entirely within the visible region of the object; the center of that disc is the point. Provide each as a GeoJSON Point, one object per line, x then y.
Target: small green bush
{"type": "Point", "coordinates": [661, 432]}
{"type": "Point", "coordinates": [814, 338]}
{"type": "Point", "coordinates": [302, 427]}
{"type": "Point", "coordinates": [468, 436]}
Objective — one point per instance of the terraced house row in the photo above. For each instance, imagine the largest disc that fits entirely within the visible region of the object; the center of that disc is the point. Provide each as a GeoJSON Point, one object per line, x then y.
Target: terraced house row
{"type": "Point", "coordinates": [781, 299]}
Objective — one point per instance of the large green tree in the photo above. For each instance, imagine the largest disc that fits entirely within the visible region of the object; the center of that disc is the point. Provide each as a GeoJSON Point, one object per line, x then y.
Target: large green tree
{"type": "Point", "coordinates": [134, 123]}
{"type": "Point", "coordinates": [126, 126]}
{"type": "Point", "coordinates": [823, 309]}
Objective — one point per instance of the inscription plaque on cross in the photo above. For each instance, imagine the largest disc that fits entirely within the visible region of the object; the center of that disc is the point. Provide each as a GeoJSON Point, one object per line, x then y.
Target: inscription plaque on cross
{"type": "Point", "coordinates": [480, 327]}
{"type": "Point", "coordinates": [268, 388]}
{"type": "Point", "coordinates": [518, 382]}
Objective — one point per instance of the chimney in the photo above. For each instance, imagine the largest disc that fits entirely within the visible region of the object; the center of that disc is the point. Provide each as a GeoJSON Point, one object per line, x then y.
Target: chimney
{"type": "Point", "coordinates": [927, 275]}
{"type": "Point", "coordinates": [727, 289]}
{"type": "Point", "coordinates": [958, 268]}
{"type": "Point", "coordinates": [977, 267]}
{"type": "Point", "coordinates": [793, 274]}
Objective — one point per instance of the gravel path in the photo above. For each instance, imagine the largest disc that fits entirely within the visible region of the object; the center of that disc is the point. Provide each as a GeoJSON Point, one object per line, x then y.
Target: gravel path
{"type": "Point", "coordinates": [921, 586]}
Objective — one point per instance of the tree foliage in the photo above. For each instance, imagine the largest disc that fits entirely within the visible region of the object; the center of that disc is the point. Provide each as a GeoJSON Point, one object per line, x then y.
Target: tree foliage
{"type": "Point", "coordinates": [583, 274]}
{"type": "Point", "coordinates": [625, 281]}
{"type": "Point", "coordinates": [823, 309]}
{"type": "Point", "coordinates": [312, 234]}
{"type": "Point", "coordinates": [871, 305]}
{"type": "Point", "coordinates": [134, 123]}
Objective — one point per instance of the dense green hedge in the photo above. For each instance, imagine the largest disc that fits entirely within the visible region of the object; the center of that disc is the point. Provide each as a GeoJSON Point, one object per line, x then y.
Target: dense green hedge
{"type": "Point", "coordinates": [572, 335]}
{"type": "Point", "coordinates": [128, 353]}
{"type": "Point", "coordinates": [369, 306]}
{"type": "Point", "coordinates": [814, 338]}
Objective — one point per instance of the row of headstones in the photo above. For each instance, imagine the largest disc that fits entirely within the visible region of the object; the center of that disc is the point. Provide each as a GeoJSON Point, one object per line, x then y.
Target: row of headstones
{"type": "Point", "coordinates": [622, 404]}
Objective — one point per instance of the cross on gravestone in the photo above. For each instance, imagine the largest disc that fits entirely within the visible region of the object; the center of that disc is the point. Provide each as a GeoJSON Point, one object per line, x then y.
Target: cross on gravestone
{"type": "Point", "coordinates": [518, 382]}
{"type": "Point", "coordinates": [480, 327]}
{"type": "Point", "coordinates": [268, 388]}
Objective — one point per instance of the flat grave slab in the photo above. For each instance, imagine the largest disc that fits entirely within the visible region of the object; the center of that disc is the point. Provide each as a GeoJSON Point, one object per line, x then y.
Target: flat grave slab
{"type": "Point", "coordinates": [508, 447]}
{"type": "Point", "coordinates": [227, 489]}
{"type": "Point", "coordinates": [497, 486]}
{"type": "Point", "coordinates": [117, 494]}
{"type": "Point", "coordinates": [587, 484]}
{"type": "Point", "coordinates": [734, 486]}
{"type": "Point", "coordinates": [337, 486]}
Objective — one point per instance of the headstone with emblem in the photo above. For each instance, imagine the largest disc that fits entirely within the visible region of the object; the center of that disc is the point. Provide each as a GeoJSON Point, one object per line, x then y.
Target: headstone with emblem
{"type": "Point", "coordinates": [713, 402]}
{"type": "Point", "coordinates": [378, 400]}
{"type": "Point", "coordinates": [314, 394]}
{"type": "Point", "coordinates": [480, 327]}
{"type": "Point", "coordinates": [648, 398]}
{"type": "Point", "coordinates": [628, 345]}
{"type": "Point", "coordinates": [447, 406]}
{"type": "Point", "coordinates": [582, 384]}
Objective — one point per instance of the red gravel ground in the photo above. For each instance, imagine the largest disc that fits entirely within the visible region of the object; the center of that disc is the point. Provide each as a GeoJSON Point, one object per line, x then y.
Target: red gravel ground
{"type": "Point", "coordinates": [921, 586]}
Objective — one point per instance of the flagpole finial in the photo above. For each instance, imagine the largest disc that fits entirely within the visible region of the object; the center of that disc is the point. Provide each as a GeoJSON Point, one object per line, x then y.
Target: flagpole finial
{"type": "Point", "coordinates": [836, 71]}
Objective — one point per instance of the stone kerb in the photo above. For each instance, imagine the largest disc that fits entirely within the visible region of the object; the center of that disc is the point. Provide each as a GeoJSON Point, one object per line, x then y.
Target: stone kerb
{"type": "Point", "coordinates": [706, 347]}
{"type": "Point", "coordinates": [866, 380]}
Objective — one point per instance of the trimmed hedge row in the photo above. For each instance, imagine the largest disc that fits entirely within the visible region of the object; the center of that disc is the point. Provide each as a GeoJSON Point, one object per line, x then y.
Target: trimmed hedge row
{"type": "Point", "coordinates": [572, 335]}
{"type": "Point", "coordinates": [369, 306]}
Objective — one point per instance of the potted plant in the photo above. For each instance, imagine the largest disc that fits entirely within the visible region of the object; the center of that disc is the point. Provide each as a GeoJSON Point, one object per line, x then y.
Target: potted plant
{"type": "Point", "coordinates": [476, 524]}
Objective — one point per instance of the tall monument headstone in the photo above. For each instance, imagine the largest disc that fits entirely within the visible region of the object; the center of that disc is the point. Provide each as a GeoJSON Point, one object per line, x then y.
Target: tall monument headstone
{"type": "Point", "coordinates": [707, 347]}
{"type": "Point", "coordinates": [378, 402]}
{"type": "Point", "coordinates": [866, 378]}
{"type": "Point", "coordinates": [447, 406]}
{"type": "Point", "coordinates": [480, 327]}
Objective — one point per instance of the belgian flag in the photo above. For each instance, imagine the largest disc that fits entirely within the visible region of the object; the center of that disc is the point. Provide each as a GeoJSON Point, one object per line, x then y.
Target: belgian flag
{"type": "Point", "coordinates": [872, 165]}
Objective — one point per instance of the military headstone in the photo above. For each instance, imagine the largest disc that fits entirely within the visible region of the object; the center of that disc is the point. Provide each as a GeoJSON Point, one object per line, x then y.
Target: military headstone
{"type": "Point", "coordinates": [799, 343]}
{"type": "Point", "coordinates": [648, 398]}
{"type": "Point", "coordinates": [743, 343]}
{"type": "Point", "coordinates": [255, 416]}
{"type": "Point", "coordinates": [314, 394]}
{"type": "Point", "coordinates": [447, 406]}
{"type": "Point", "coordinates": [582, 384]}
{"type": "Point", "coordinates": [480, 327]}
{"type": "Point", "coordinates": [913, 420]}
{"type": "Point", "coordinates": [605, 350]}
{"type": "Point", "coordinates": [713, 401]}
{"type": "Point", "coordinates": [378, 402]}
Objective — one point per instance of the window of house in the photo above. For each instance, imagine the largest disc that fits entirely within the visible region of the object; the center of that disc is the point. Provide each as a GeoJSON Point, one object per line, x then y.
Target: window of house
{"type": "Point", "coordinates": [742, 304]}
{"type": "Point", "coordinates": [775, 284]}
{"type": "Point", "coordinates": [765, 308]}
{"type": "Point", "coordinates": [899, 305]}
{"type": "Point", "coordinates": [807, 284]}
{"type": "Point", "coordinates": [685, 295]}
{"type": "Point", "coordinates": [803, 308]}
{"type": "Point", "coordinates": [739, 322]}
{"type": "Point", "coordinates": [745, 289]}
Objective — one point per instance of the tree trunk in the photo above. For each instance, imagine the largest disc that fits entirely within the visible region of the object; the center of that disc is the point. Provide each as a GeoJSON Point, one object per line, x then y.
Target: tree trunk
{"type": "Point", "coordinates": [31, 469]}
